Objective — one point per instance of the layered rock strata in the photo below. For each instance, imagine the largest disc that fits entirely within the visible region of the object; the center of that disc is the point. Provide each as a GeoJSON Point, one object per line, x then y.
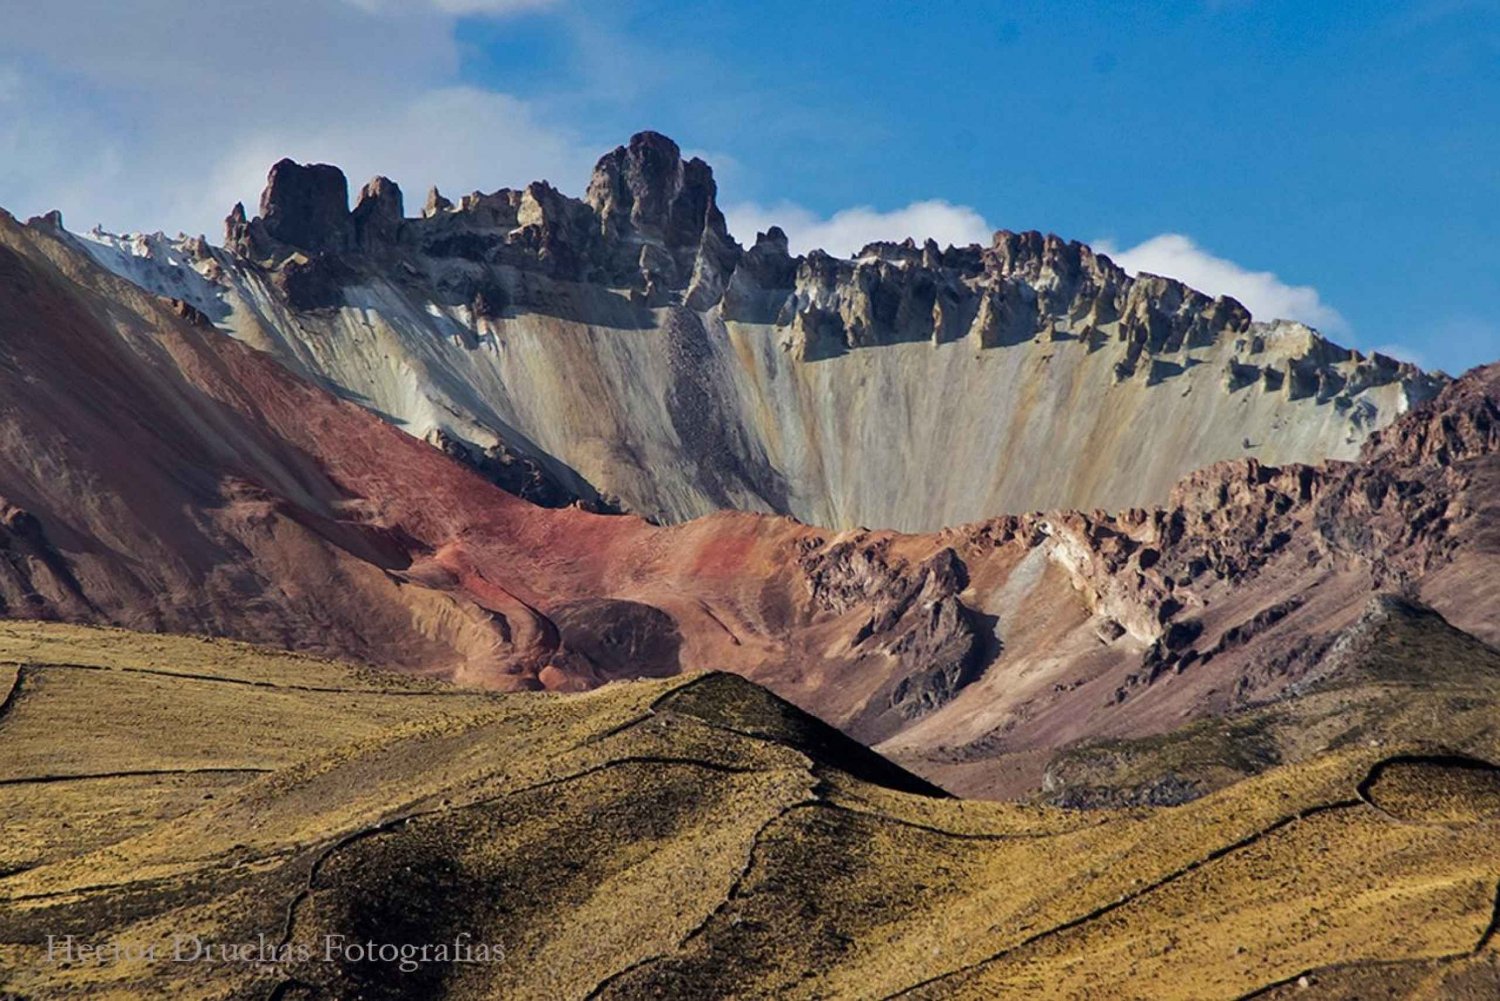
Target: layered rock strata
{"type": "Point", "coordinates": [625, 350]}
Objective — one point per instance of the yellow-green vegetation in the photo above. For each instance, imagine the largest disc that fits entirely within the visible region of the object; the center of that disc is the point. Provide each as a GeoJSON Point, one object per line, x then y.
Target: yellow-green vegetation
{"type": "Point", "coordinates": [693, 837]}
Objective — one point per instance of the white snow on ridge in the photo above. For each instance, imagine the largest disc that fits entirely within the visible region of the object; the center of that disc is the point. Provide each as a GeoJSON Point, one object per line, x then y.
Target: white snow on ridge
{"type": "Point", "coordinates": [158, 264]}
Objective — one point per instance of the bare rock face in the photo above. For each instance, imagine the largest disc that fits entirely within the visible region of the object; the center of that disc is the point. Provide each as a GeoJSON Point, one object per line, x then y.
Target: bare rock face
{"type": "Point", "coordinates": [238, 236]}
{"type": "Point", "coordinates": [557, 229]}
{"type": "Point", "coordinates": [304, 210]}
{"type": "Point", "coordinates": [378, 214]}
{"type": "Point", "coordinates": [913, 615]}
{"type": "Point", "coordinates": [811, 388]}
{"type": "Point", "coordinates": [307, 207]}
{"type": "Point", "coordinates": [646, 194]}
{"type": "Point", "coordinates": [1463, 425]}
{"type": "Point", "coordinates": [648, 189]}
{"type": "Point", "coordinates": [1408, 508]}
{"type": "Point", "coordinates": [759, 287]}
{"type": "Point", "coordinates": [1024, 286]}
{"type": "Point", "coordinates": [435, 203]}
{"type": "Point", "coordinates": [312, 284]}
{"type": "Point", "coordinates": [516, 474]}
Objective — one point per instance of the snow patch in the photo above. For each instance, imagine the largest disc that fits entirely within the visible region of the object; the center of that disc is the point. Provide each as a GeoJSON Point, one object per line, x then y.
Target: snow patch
{"type": "Point", "coordinates": [158, 264]}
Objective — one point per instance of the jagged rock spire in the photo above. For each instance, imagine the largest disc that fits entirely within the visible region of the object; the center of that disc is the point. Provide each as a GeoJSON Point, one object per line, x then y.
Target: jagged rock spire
{"type": "Point", "coordinates": [378, 214]}
{"type": "Point", "coordinates": [647, 186]}
{"type": "Point", "coordinates": [435, 203]}
{"type": "Point", "coordinates": [307, 206]}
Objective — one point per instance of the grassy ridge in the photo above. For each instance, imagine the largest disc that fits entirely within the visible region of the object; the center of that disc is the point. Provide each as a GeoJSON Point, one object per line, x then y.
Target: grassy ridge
{"type": "Point", "coordinates": [693, 837]}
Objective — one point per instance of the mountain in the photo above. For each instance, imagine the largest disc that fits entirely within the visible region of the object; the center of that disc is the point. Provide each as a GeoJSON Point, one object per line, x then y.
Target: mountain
{"type": "Point", "coordinates": [625, 350]}
{"type": "Point", "coordinates": [160, 475]}
{"type": "Point", "coordinates": [689, 837]}
{"type": "Point", "coordinates": [480, 604]}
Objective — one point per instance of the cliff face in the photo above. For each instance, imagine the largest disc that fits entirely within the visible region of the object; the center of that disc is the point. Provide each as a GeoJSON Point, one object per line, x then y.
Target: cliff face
{"type": "Point", "coordinates": [1244, 590]}
{"type": "Point", "coordinates": [625, 350]}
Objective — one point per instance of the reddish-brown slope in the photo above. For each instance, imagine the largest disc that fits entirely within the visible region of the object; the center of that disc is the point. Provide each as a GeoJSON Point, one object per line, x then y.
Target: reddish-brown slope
{"type": "Point", "coordinates": [158, 474]}
{"type": "Point", "coordinates": [145, 482]}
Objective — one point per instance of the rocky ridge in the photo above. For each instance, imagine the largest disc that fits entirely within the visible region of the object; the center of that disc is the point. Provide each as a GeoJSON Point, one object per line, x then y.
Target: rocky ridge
{"type": "Point", "coordinates": [503, 323]}
{"type": "Point", "coordinates": [1250, 584]}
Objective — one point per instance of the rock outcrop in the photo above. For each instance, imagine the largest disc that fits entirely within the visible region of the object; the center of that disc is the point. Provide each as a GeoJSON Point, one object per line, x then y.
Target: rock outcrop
{"type": "Point", "coordinates": [912, 614]}
{"type": "Point", "coordinates": [307, 207]}
{"type": "Point", "coordinates": [540, 325]}
{"type": "Point", "coordinates": [645, 192]}
{"type": "Point", "coordinates": [378, 215]}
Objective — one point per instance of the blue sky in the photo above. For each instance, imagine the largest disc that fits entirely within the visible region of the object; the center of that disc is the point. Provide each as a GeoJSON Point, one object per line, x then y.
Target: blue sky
{"type": "Point", "coordinates": [1334, 161]}
{"type": "Point", "coordinates": [1351, 147]}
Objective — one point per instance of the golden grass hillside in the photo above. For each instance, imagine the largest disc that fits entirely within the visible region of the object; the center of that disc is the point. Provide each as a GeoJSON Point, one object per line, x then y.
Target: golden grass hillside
{"type": "Point", "coordinates": [269, 816]}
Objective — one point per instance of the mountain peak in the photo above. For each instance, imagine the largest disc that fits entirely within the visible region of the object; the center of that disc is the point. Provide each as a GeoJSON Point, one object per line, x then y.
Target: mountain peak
{"type": "Point", "coordinates": [647, 186]}
{"type": "Point", "coordinates": [379, 212]}
{"type": "Point", "coordinates": [307, 206]}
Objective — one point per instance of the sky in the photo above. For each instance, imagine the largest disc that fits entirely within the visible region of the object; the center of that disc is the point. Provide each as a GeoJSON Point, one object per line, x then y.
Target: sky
{"type": "Point", "coordinates": [1329, 162]}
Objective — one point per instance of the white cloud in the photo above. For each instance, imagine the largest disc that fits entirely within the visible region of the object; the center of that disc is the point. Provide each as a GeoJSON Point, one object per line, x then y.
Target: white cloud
{"type": "Point", "coordinates": [162, 114]}
{"type": "Point", "coordinates": [845, 232]}
{"type": "Point", "coordinates": [484, 8]}
{"type": "Point", "coordinates": [1173, 255]}
{"type": "Point", "coordinates": [492, 7]}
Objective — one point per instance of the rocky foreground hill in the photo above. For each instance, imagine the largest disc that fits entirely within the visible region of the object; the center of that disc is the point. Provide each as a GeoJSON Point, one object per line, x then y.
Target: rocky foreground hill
{"type": "Point", "coordinates": [624, 349]}
{"type": "Point", "coordinates": [159, 475]}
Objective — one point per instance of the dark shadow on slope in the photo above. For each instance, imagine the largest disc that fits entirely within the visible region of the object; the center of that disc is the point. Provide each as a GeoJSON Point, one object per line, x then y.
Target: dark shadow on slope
{"type": "Point", "coordinates": [733, 703]}
{"type": "Point", "coordinates": [620, 639]}
{"type": "Point", "coordinates": [729, 461]}
{"type": "Point", "coordinates": [1434, 788]}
